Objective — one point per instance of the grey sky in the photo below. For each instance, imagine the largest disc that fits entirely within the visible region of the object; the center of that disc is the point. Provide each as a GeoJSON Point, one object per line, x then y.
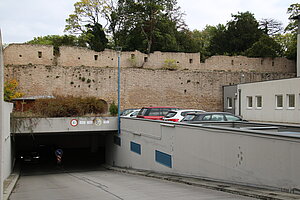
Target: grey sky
{"type": "Point", "coordinates": [22, 20]}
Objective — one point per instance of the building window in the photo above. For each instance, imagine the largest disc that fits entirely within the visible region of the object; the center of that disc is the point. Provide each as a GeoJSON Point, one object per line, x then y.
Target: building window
{"type": "Point", "coordinates": [299, 101]}
{"type": "Point", "coordinates": [39, 54]}
{"type": "Point", "coordinates": [191, 61]}
{"type": "Point", "coordinates": [290, 101]}
{"type": "Point", "coordinates": [145, 59]}
{"type": "Point", "coordinates": [279, 101]}
{"type": "Point", "coordinates": [258, 102]}
{"type": "Point", "coordinates": [96, 57]}
{"type": "Point", "coordinates": [229, 103]}
{"type": "Point", "coordinates": [249, 102]}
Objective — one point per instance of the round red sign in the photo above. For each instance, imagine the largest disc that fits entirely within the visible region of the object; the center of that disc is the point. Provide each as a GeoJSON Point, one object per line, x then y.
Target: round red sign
{"type": "Point", "coordinates": [74, 122]}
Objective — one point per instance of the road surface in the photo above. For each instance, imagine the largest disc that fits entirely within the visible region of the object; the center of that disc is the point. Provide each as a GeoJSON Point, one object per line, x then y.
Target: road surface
{"type": "Point", "coordinates": [92, 184]}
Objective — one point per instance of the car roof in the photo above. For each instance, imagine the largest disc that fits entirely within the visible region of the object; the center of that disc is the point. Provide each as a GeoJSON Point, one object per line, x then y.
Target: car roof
{"type": "Point", "coordinates": [160, 107]}
{"type": "Point", "coordinates": [187, 110]}
{"type": "Point", "coordinates": [218, 113]}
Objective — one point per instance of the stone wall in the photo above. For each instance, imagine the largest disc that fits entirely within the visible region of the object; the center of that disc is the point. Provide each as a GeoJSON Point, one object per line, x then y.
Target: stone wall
{"type": "Point", "coordinates": [80, 71]}
{"type": "Point", "coordinates": [24, 54]}
{"type": "Point", "coordinates": [139, 87]}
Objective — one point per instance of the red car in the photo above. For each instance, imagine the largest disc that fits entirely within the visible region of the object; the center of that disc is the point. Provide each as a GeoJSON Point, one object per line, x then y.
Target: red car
{"type": "Point", "coordinates": [155, 113]}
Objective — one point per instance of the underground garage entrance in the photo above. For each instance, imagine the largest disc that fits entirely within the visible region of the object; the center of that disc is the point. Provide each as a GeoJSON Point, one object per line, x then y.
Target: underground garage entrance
{"type": "Point", "coordinates": [79, 150]}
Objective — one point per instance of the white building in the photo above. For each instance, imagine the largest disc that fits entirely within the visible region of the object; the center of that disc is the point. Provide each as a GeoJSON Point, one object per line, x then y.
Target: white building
{"type": "Point", "coordinates": [268, 101]}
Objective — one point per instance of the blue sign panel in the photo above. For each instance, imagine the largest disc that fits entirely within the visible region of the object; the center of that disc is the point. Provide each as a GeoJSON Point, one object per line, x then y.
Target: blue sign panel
{"type": "Point", "coordinates": [135, 147]}
{"type": "Point", "coordinates": [163, 158]}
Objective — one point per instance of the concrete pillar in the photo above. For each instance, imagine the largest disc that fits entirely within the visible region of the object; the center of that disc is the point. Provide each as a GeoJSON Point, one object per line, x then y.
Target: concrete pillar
{"type": "Point", "coordinates": [298, 49]}
{"type": "Point", "coordinates": [1, 116]}
{"type": "Point", "coordinates": [298, 44]}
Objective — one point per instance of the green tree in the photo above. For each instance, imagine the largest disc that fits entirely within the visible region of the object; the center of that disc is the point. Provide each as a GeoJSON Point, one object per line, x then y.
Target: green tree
{"type": "Point", "coordinates": [57, 41]}
{"type": "Point", "coordinates": [86, 21]}
{"type": "Point", "coordinates": [96, 37]}
{"type": "Point", "coordinates": [237, 36]}
{"type": "Point", "coordinates": [146, 23]}
{"type": "Point", "coordinates": [289, 39]}
{"type": "Point", "coordinates": [293, 11]}
{"type": "Point", "coordinates": [242, 32]}
{"type": "Point", "coordinates": [202, 40]}
{"type": "Point", "coordinates": [218, 44]}
{"type": "Point", "coordinates": [288, 42]}
{"type": "Point", "coordinates": [265, 47]}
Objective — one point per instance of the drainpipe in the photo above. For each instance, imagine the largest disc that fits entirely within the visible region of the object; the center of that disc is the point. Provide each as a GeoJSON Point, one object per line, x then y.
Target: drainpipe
{"type": "Point", "coordinates": [1, 115]}
{"type": "Point", "coordinates": [298, 44]}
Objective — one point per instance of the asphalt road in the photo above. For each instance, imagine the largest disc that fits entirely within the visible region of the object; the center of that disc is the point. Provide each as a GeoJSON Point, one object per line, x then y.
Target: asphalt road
{"type": "Point", "coordinates": [66, 183]}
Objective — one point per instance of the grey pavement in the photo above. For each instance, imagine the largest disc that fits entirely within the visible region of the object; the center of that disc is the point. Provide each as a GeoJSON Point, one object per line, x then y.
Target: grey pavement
{"type": "Point", "coordinates": [119, 183]}
{"type": "Point", "coordinates": [108, 185]}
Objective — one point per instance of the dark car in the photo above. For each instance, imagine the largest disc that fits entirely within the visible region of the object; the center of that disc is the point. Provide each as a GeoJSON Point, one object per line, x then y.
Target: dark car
{"type": "Point", "coordinates": [30, 157]}
{"type": "Point", "coordinates": [211, 117]}
{"type": "Point", "coordinates": [155, 113]}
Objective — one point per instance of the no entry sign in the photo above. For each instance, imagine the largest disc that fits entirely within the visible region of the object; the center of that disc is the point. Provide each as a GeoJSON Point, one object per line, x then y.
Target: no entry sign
{"type": "Point", "coordinates": [74, 122]}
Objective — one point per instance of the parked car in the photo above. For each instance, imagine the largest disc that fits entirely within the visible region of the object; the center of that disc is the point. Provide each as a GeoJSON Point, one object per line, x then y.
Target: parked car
{"type": "Point", "coordinates": [133, 113]}
{"type": "Point", "coordinates": [211, 116]}
{"type": "Point", "coordinates": [155, 113]}
{"type": "Point", "coordinates": [178, 115]}
{"type": "Point", "coordinates": [127, 111]}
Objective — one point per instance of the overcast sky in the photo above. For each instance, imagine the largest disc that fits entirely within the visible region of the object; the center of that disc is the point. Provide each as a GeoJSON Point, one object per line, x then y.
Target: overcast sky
{"type": "Point", "coordinates": [22, 20]}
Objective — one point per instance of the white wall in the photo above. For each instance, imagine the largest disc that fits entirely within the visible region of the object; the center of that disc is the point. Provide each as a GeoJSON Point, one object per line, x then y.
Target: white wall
{"type": "Point", "coordinates": [268, 90]}
{"type": "Point", "coordinates": [8, 157]}
{"type": "Point", "coordinates": [229, 155]}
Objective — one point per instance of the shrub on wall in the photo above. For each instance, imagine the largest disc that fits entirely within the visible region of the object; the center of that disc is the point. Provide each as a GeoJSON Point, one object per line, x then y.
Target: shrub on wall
{"type": "Point", "coordinates": [133, 61]}
{"type": "Point", "coordinates": [170, 64]}
{"type": "Point", "coordinates": [113, 109]}
{"type": "Point", "coordinates": [11, 90]}
{"type": "Point", "coordinates": [68, 106]}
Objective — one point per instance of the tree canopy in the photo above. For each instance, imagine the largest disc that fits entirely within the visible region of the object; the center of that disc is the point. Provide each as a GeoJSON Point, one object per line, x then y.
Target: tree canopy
{"type": "Point", "coordinates": [158, 25]}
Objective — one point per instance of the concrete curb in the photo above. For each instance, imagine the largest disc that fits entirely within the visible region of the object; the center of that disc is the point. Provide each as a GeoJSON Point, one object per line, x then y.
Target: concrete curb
{"type": "Point", "coordinates": [10, 183]}
{"type": "Point", "coordinates": [249, 191]}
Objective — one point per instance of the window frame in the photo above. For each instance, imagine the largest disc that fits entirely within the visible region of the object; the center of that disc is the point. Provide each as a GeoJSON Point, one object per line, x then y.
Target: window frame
{"type": "Point", "coordinates": [248, 101]}
{"type": "Point", "coordinates": [288, 97]}
{"type": "Point", "coordinates": [276, 102]}
{"type": "Point", "coordinates": [257, 102]}
{"type": "Point", "coordinates": [229, 103]}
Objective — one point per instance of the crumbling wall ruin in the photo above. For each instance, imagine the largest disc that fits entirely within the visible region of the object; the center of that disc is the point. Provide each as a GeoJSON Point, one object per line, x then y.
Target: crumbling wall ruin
{"type": "Point", "coordinates": [144, 82]}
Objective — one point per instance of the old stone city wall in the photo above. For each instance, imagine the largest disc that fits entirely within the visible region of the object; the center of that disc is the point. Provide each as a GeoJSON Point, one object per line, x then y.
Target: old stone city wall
{"type": "Point", "coordinates": [79, 71]}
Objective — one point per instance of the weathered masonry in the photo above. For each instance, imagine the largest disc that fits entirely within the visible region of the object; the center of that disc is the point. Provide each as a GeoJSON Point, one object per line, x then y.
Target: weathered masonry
{"type": "Point", "coordinates": [160, 78]}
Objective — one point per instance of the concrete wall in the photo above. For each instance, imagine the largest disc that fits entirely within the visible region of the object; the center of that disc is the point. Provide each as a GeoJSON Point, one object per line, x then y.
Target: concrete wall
{"type": "Point", "coordinates": [63, 124]}
{"type": "Point", "coordinates": [8, 151]}
{"type": "Point", "coordinates": [268, 91]}
{"type": "Point", "coordinates": [230, 98]}
{"type": "Point", "coordinates": [225, 154]}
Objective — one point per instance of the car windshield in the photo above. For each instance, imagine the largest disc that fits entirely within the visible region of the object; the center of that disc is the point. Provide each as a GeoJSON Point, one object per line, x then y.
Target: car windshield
{"type": "Point", "coordinates": [126, 112]}
{"type": "Point", "coordinates": [170, 114]}
{"type": "Point", "coordinates": [232, 118]}
{"type": "Point", "coordinates": [189, 117]}
{"type": "Point", "coordinates": [143, 111]}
